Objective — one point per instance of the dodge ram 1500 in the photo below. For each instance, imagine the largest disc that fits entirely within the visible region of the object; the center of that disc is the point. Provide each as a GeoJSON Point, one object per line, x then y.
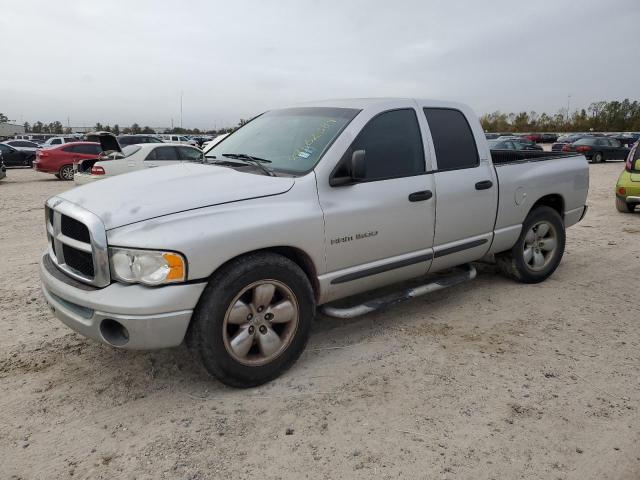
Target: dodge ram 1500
{"type": "Point", "coordinates": [298, 208]}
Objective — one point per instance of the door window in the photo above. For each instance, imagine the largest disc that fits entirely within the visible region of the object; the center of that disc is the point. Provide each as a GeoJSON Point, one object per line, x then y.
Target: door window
{"type": "Point", "coordinates": [452, 139]}
{"type": "Point", "coordinates": [163, 153]}
{"type": "Point", "coordinates": [190, 154]}
{"type": "Point", "coordinates": [392, 145]}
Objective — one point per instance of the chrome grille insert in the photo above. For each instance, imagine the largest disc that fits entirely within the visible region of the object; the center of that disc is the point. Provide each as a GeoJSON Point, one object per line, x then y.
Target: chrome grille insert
{"type": "Point", "coordinates": [77, 242]}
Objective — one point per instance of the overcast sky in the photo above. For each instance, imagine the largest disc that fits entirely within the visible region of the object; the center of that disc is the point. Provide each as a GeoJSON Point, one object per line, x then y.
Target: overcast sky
{"type": "Point", "coordinates": [127, 61]}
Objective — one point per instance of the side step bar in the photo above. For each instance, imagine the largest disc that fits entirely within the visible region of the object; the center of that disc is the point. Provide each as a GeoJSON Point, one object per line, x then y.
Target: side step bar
{"type": "Point", "coordinates": [468, 273]}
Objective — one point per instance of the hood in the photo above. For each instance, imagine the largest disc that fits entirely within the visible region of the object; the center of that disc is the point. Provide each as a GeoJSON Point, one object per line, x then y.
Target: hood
{"type": "Point", "coordinates": [155, 192]}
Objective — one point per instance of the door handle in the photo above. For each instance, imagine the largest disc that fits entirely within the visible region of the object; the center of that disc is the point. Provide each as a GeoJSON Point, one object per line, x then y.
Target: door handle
{"type": "Point", "coordinates": [420, 196]}
{"type": "Point", "coordinates": [484, 185]}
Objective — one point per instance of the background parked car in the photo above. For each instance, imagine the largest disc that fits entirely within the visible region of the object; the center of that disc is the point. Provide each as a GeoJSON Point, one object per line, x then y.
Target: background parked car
{"type": "Point", "coordinates": [628, 185]}
{"type": "Point", "coordinates": [179, 139]}
{"type": "Point", "coordinates": [523, 141]}
{"type": "Point", "coordinates": [15, 158]}
{"type": "Point", "coordinates": [534, 137]}
{"type": "Point", "coordinates": [59, 160]}
{"type": "Point", "coordinates": [567, 139]}
{"type": "Point", "coordinates": [549, 137]}
{"type": "Point", "coordinates": [511, 144]}
{"type": "Point", "coordinates": [125, 140]}
{"type": "Point", "coordinates": [53, 141]}
{"type": "Point", "coordinates": [598, 149]}
{"type": "Point", "coordinates": [136, 157]}
{"type": "Point", "coordinates": [23, 145]}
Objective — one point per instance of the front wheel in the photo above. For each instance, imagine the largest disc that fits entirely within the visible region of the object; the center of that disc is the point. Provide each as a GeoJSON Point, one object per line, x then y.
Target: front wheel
{"type": "Point", "coordinates": [66, 172]}
{"type": "Point", "coordinates": [539, 248]}
{"type": "Point", "coordinates": [253, 319]}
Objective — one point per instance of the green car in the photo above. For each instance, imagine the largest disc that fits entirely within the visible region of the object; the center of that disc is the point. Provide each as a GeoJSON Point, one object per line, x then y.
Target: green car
{"type": "Point", "coordinates": [628, 186]}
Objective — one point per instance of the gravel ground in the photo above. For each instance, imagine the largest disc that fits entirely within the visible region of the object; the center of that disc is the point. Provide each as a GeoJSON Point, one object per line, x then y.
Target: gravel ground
{"type": "Point", "coordinates": [491, 379]}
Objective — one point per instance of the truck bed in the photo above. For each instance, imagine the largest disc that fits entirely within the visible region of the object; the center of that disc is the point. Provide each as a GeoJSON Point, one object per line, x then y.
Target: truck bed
{"type": "Point", "coordinates": [501, 157]}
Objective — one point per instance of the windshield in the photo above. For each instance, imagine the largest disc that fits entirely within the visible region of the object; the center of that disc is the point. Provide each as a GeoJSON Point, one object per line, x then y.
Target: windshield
{"type": "Point", "coordinates": [293, 139]}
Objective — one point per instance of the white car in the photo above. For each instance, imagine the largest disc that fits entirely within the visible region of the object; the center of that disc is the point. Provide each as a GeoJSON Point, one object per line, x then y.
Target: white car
{"type": "Point", "coordinates": [178, 139]}
{"type": "Point", "coordinates": [132, 158]}
{"type": "Point", "coordinates": [53, 141]}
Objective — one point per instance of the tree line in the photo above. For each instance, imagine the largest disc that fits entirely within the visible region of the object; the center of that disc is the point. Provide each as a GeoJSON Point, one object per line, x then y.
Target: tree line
{"type": "Point", "coordinates": [57, 128]}
{"type": "Point", "coordinates": [603, 116]}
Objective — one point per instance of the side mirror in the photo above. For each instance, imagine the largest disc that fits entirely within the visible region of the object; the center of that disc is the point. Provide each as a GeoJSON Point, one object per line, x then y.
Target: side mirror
{"type": "Point", "coordinates": [358, 166]}
{"type": "Point", "coordinates": [350, 171]}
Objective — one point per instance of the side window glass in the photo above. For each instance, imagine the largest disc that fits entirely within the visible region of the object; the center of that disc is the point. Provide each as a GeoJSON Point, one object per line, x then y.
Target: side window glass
{"type": "Point", "coordinates": [452, 139]}
{"type": "Point", "coordinates": [190, 154]}
{"type": "Point", "coordinates": [152, 155]}
{"type": "Point", "coordinates": [392, 145]}
{"type": "Point", "coordinates": [166, 153]}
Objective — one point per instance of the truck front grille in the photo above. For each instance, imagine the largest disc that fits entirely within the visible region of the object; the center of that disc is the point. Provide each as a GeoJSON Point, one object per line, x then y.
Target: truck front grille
{"type": "Point", "coordinates": [72, 228]}
{"type": "Point", "coordinates": [79, 260]}
{"type": "Point", "coordinates": [77, 240]}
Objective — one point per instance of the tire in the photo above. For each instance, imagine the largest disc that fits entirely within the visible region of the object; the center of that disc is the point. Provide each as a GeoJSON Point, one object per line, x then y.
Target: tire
{"type": "Point", "coordinates": [598, 158]}
{"type": "Point", "coordinates": [230, 309]}
{"type": "Point", "coordinates": [66, 173]}
{"type": "Point", "coordinates": [623, 206]}
{"type": "Point", "coordinates": [527, 267]}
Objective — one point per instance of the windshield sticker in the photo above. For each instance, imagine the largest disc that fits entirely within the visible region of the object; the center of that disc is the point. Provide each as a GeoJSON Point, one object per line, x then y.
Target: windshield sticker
{"type": "Point", "coordinates": [306, 150]}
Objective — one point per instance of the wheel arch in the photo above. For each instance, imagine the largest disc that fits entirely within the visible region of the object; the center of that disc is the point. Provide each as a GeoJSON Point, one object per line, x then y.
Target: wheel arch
{"type": "Point", "coordinates": [553, 200]}
{"type": "Point", "coordinates": [296, 255]}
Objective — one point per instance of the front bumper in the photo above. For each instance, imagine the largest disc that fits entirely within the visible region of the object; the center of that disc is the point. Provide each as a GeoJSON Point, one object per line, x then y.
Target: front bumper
{"type": "Point", "coordinates": [151, 317]}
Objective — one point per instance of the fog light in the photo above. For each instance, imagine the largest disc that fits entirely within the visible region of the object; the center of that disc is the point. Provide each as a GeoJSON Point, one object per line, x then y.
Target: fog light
{"type": "Point", "coordinates": [114, 332]}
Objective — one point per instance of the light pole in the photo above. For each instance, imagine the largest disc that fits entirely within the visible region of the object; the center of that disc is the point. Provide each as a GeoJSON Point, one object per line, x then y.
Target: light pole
{"type": "Point", "coordinates": [568, 106]}
{"type": "Point", "coordinates": [180, 108]}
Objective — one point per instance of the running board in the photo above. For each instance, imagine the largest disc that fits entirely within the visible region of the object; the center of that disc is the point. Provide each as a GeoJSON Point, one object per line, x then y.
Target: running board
{"type": "Point", "coordinates": [468, 273]}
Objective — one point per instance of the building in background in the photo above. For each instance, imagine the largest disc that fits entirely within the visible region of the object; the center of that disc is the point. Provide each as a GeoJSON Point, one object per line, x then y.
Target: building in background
{"type": "Point", "coordinates": [9, 130]}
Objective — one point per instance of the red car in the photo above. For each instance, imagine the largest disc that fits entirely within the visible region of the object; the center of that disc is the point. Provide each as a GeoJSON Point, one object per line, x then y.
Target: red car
{"type": "Point", "coordinates": [59, 160]}
{"type": "Point", "coordinates": [534, 137]}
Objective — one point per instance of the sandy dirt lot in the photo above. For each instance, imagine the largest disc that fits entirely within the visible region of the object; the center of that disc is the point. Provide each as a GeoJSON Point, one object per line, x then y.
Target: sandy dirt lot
{"type": "Point", "coordinates": [488, 380]}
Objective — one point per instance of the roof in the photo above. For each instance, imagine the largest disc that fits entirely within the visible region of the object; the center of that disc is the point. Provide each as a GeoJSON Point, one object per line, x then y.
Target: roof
{"type": "Point", "coordinates": [362, 103]}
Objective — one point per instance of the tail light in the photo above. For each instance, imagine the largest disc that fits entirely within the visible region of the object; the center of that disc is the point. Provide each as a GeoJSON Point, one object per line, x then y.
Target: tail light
{"type": "Point", "coordinates": [42, 154]}
{"type": "Point", "coordinates": [583, 148]}
{"type": "Point", "coordinates": [96, 170]}
{"type": "Point", "coordinates": [622, 191]}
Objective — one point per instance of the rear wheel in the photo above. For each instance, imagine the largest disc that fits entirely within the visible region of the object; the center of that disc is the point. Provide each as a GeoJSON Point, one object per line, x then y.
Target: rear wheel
{"type": "Point", "coordinates": [253, 319]}
{"type": "Point", "coordinates": [598, 158]}
{"type": "Point", "coordinates": [66, 172]}
{"type": "Point", "coordinates": [623, 206]}
{"type": "Point", "coordinates": [539, 248]}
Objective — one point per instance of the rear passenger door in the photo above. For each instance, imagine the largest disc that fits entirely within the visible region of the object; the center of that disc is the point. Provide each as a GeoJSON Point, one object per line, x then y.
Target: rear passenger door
{"type": "Point", "coordinates": [466, 186]}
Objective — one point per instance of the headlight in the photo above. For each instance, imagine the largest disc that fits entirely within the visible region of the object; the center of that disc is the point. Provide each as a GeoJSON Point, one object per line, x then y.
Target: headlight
{"type": "Point", "coordinates": [149, 267]}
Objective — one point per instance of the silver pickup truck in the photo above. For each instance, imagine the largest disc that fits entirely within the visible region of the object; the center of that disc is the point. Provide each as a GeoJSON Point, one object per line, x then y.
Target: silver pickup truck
{"type": "Point", "coordinates": [300, 207]}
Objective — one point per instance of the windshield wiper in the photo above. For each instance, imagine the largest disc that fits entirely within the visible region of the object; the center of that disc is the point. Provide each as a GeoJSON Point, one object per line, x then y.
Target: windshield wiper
{"type": "Point", "coordinates": [255, 161]}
